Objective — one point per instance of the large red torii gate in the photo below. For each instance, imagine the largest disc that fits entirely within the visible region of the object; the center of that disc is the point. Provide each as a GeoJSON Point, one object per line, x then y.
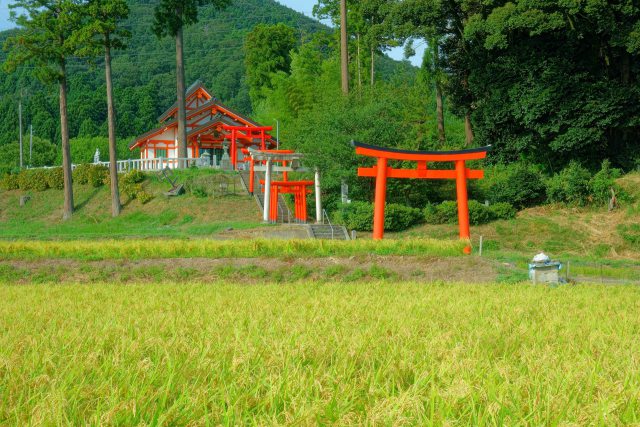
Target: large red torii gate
{"type": "Point", "coordinates": [382, 172]}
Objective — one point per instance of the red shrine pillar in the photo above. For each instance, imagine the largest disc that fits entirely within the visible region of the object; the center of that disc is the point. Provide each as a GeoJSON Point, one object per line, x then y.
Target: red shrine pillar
{"type": "Point", "coordinates": [252, 175]}
{"type": "Point", "coordinates": [274, 203]}
{"type": "Point", "coordinates": [463, 202]}
{"type": "Point", "coordinates": [303, 203]}
{"type": "Point", "coordinates": [233, 148]}
{"type": "Point", "coordinates": [381, 196]}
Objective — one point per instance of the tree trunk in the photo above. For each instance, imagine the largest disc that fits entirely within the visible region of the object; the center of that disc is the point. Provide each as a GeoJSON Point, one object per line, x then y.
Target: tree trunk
{"type": "Point", "coordinates": [468, 129]}
{"type": "Point", "coordinates": [373, 66]}
{"type": "Point", "coordinates": [66, 149]}
{"type": "Point", "coordinates": [440, 112]}
{"type": "Point", "coordinates": [626, 69]}
{"type": "Point", "coordinates": [344, 47]}
{"type": "Point", "coordinates": [359, 63]}
{"type": "Point", "coordinates": [182, 107]}
{"type": "Point", "coordinates": [111, 118]}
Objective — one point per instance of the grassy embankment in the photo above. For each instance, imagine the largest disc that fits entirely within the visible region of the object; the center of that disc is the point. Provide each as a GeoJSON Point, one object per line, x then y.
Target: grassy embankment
{"type": "Point", "coordinates": [350, 354]}
{"type": "Point", "coordinates": [186, 216]}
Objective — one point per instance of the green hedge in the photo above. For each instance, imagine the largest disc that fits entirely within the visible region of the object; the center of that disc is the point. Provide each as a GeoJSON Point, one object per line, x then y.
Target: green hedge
{"type": "Point", "coordinates": [447, 212]}
{"type": "Point", "coordinates": [359, 216]}
{"type": "Point", "coordinates": [94, 175]}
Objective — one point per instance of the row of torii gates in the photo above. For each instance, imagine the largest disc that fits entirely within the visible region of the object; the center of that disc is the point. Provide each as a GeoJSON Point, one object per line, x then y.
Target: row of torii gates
{"type": "Point", "coordinates": [285, 161]}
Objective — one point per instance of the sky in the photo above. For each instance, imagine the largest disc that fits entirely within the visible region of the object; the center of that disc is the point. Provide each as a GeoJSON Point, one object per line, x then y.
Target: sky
{"type": "Point", "coordinates": [304, 6]}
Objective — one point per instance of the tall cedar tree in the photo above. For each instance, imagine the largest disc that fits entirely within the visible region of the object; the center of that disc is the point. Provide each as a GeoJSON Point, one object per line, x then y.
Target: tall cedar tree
{"type": "Point", "coordinates": [170, 18]}
{"type": "Point", "coordinates": [100, 34]}
{"type": "Point", "coordinates": [44, 42]}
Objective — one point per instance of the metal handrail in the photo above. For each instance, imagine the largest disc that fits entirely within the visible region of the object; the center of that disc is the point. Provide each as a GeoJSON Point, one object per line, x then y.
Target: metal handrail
{"type": "Point", "coordinates": [325, 215]}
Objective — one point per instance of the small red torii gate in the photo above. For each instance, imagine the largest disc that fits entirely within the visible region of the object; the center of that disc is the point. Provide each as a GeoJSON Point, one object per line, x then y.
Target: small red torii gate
{"type": "Point", "coordinates": [299, 189]}
{"type": "Point", "coordinates": [382, 172]}
{"type": "Point", "coordinates": [252, 163]}
{"type": "Point", "coordinates": [247, 134]}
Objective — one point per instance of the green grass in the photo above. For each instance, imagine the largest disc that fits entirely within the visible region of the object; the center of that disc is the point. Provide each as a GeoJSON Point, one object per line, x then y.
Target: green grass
{"type": "Point", "coordinates": [149, 249]}
{"type": "Point", "coordinates": [180, 217]}
{"type": "Point", "coordinates": [305, 354]}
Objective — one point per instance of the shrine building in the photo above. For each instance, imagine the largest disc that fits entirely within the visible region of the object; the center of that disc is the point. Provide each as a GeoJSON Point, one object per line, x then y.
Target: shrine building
{"type": "Point", "coordinates": [212, 127]}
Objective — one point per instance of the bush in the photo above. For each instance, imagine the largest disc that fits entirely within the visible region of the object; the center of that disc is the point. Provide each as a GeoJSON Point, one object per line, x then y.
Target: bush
{"type": "Point", "coordinates": [502, 210]}
{"type": "Point", "coordinates": [570, 186]}
{"type": "Point", "coordinates": [447, 212]}
{"type": "Point", "coordinates": [33, 179]}
{"type": "Point", "coordinates": [131, 186]}
{"type": "Point", "coordinates": [94, 175]}
{"type": "Point", "coordinates": [9, 182]}
{"type": "Point", "coordinates": [602, 182]}
{"type": "Point", "coordinates": [359, 216]}
{"type": "Point", "coordinates": [400, 217]}
{"type": "Point", "coordinates": [444, 213]}
{"type": "Point", "coordinates": [479, 213]}
{"type": "Point", "coordinates": [517, 184]}
{"type": "Point", "coordinates": [355, 216]}
{"type": "Point", "coordinates": [55, 178]}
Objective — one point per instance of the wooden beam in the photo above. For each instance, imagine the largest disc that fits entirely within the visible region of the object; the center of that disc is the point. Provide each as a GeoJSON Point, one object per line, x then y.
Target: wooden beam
{"type": "Point", "coordinates": [420, 173]}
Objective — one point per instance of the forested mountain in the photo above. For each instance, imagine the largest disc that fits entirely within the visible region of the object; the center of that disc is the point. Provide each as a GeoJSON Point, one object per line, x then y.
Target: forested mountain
{"type": "Point", "coordinates": [144, 74]}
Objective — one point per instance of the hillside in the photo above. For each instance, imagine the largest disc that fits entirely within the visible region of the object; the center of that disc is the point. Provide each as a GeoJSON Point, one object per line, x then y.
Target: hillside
{"type": "Point", "coordinates": [144, 76]}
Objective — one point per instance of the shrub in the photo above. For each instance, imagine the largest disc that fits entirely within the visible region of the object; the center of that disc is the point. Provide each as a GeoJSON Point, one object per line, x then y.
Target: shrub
{"type": "Point", "coordinates": [359, 216]}
{"type": "Point", "coordinates": [55, 178]}
{"type": "Point", "coordinates": [131, 186]}
{"type": "Point", "coordinates": [602, 182]}
{"type": "Point", "coordinates": [479, 213]}
{"type": "Point", "coordinates": [33, 179]}
{"type": "Point", "coordinates": [447, 212]}
{"type": "Point", "coordinates": [94, 175]}
{"type": "Point", "coordinates": [571, 185]}
{"type": "Point", "coordinates": [9, 182]}
{"type": "Point", "coordinates": [400, 217]}
{"type": "Point", "coordinates": [502, 210]}
{"type": "Point", "coordinates": [444, 213]}
{"type": "Point", "coordinates": [517, 184]}
{"type": "Point", "coordinates": [355, 216]}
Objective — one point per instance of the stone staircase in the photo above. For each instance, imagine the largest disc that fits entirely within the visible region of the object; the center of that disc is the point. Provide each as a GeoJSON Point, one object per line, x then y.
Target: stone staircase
{"type": "Point", "coordinates": [284, 213]}
{"type": "Point", "coordinates": [328, 232]}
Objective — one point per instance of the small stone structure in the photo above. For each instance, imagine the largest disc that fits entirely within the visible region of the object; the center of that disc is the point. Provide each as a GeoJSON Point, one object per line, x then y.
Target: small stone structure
{"type": "Point", "coordinates": [543, 270]}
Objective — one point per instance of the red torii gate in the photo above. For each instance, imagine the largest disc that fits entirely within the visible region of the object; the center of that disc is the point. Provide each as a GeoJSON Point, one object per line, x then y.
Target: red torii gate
{"type": "Point", "coordinates": [299, 189]}
{"type": "Point", "coordinates": [247, 134]}
{"type": "Point", "coordinates": [248, 158]}
{"type": "Point", "coordinates": [382, 172]}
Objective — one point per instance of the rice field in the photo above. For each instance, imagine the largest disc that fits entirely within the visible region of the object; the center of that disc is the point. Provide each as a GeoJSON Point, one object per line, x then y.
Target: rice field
{"type": "Point", "coordinates": [377, 353]}
{"type": "Point", "coordinates": [201, 248]}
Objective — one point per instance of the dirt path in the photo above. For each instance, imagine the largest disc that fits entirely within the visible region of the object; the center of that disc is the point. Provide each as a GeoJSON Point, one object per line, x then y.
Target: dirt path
{"type": "Point", "coordinates": [249, 270]}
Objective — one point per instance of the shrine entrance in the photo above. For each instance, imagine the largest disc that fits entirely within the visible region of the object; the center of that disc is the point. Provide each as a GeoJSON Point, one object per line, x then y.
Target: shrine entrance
{"type": "Point", "coordinates": [382, 172]}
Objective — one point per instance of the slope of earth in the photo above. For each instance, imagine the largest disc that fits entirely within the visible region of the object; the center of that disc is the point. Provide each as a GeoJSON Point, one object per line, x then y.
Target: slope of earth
{"type": "Point", "coordinates": [186, 216]}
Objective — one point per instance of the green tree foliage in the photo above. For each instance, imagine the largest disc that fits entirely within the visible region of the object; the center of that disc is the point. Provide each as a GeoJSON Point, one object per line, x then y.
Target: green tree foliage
{"type": "Point", "coordinates": [170, 18]}
{"type": "Point", "coordinates": [43, 154]}
{"type": "Point", "coordinates": [101, 33]}
{"type": "Point", "coordinates": [560, 77]}
{"type": "Point", "coordinates": [267, 51]}
{"type": "Point", "coordinates": [45, 41]}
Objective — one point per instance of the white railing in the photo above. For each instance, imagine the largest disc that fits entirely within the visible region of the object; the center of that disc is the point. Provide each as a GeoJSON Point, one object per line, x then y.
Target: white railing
{"type": "Point", "coordinates": [159, 164]}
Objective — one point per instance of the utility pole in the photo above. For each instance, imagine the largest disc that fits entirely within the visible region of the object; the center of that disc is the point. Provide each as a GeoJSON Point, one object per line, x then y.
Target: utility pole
{"type": "Point", "coordinates": [30, 142]}
{"type": "Point", "coordinates": [20, 125]}
{"type": "Point", "coordinates": [344, 47]}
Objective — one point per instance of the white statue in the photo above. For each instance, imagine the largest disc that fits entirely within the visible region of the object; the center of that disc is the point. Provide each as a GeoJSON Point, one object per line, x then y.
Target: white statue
{"type": "Point", "coordinates": [96, 157]}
